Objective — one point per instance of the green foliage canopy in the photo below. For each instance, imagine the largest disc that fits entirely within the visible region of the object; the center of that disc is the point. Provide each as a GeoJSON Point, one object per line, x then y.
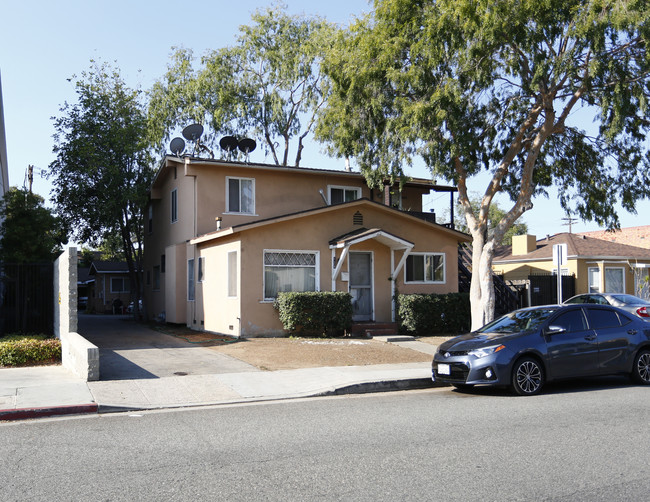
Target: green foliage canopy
{"type": "Point", "coordinates": [492, 85]}
{"type": "Point", "coordinates": [102, 169]}
{"type": "Point", "coordinates": [30, 232]}
{"type": "Point", "coordinates": [472, 86]}
{"type": "Point", "coordinates": [267, 86]}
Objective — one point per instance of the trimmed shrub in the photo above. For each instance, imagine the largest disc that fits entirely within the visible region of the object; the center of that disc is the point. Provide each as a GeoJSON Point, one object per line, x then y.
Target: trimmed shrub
{"type": "Point", "coordinates": [315, 313]}
{"type": "Point", "coordinates": [423, 315]}
{"type": "Point", "coordinates": [27, 350]}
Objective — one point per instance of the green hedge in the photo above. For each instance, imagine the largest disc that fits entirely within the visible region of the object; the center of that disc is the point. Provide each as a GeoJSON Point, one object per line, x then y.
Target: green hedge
{"type": "Point", "coordinates": [26, 350]}
{"type": "Point", "coordinates": [315, 313]}
{"type": "Point", "coordinates": [423, 315]}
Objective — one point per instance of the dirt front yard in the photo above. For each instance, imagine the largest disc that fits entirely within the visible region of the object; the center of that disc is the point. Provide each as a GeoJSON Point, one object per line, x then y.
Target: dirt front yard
{"type": "Point", "coordinates": [273, 354]}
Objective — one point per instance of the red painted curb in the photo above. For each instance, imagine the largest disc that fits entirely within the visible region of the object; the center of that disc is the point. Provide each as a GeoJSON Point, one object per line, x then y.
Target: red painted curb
{"type": "Point", "coordinates": [48, 411]}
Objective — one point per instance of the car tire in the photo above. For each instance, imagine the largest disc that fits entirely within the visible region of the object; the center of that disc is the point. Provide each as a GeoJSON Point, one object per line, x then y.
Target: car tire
{"type": "Point", "coordinates": [527, 377]}
{"type": "Point", "coordinates": [641, 369]}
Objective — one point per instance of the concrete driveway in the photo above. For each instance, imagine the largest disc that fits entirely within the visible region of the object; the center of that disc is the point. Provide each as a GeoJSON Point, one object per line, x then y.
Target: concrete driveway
{"type": "Point", "coordinates": [129, 351]}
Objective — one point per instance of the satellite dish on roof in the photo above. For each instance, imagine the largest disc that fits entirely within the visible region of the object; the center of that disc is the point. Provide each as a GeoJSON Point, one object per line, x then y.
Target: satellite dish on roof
{"type": "Point", "coordinates": [177, 146]}
{"type": "Point", "coordinates": [247, 145]}
{"type": "Point", "coordinates": [228, 143]}
{"type": "Point", "coordinates": [193, 132]}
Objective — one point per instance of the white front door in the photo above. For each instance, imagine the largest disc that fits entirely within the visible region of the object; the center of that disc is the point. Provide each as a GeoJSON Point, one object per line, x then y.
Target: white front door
{"type": "Point", "coordinates": [361, 286]}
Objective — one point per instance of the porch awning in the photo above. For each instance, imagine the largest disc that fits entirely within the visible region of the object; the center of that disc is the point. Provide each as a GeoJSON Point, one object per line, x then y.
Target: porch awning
{"type": "Point", "coordinates": [344, 242]}
{"type": "Point", "coordinates": [363, 234]}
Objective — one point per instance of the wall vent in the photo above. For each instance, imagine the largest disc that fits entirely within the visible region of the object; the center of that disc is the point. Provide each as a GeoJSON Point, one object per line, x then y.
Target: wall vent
{"type": "Point", "coordinates": [357, 218]}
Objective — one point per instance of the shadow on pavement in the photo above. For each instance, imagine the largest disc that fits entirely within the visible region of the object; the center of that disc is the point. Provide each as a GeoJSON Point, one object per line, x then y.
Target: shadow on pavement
{"type": "Point", "coordinates": [131, 351]}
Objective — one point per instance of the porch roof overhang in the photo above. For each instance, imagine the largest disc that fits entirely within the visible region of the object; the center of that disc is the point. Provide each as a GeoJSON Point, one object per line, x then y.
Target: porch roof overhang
{"type": "Point", "coordinates": [393, 242]}
{"type": "Point", "coordinates": [363, 234]}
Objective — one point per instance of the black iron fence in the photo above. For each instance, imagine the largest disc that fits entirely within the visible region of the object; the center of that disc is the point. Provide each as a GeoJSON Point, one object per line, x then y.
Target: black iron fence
{"type": "Point", "coordinates": [543, 288]}
{"type": "Point", "coordinates": [26, 298]}
{"type": "Point", "coordinates": [505, 298]}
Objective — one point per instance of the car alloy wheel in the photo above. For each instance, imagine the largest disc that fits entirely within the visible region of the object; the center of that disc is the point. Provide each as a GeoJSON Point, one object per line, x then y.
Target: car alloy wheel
{"type": "Point", "coordinates": [642, 367]}
{"type": "Point", "coordinates": [527, 377]}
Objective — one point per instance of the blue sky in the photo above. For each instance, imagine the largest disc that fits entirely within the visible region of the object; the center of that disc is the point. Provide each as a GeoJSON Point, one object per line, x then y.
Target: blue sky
{"type": "Point", "coordinates": [44, 43]}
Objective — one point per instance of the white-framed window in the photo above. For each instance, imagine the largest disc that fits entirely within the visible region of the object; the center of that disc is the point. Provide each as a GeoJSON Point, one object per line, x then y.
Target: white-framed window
{"type": "Point", "coordinates": [427, 268]}
{"type": "Point", "coordinates": [174, 205]}
{"type": "Point", "coordinates": [614, 280]}
{"type": "Point", "coordinates": [232, 274]}
{"type": "Point", "coordinates": [190, 280]}
{"type": "Point", "coordinates": [201, 271]}
{"type": "Point", "coordinates": [594, 279]}
{"type": "Point", "coordinates": [286, 270]}
{"type": "Point", "coordinates": [337, 194]}
{"type": "Point", "coordinates": [240, 195]}
{"type": "Point", "coordinates": [120, 285]}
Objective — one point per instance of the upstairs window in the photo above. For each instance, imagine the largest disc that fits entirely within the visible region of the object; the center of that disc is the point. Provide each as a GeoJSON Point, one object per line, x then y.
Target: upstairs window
{"type": "Point", "coordinates": [240, 195]}
{"type": "Point", "coordinates": [339, 194]}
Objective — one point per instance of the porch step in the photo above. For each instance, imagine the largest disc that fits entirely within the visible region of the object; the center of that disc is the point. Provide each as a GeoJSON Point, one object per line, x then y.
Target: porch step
{"type": "Point", "coordinates": [373, 329]}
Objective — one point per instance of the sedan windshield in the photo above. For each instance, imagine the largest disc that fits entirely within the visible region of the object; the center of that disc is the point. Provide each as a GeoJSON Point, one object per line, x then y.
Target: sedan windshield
{"type": "Point", "coordinates": [518, 321]}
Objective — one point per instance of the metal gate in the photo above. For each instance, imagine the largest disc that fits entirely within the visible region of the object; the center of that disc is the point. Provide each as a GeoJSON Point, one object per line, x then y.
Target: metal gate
{"type": "Point", "coordinates": [543, 288]}
{"type": "Point", "coordinates": [27, 298]}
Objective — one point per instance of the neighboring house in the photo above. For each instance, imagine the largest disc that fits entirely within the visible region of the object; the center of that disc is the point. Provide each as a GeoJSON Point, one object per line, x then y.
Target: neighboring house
{"type": "Point", "coordinates": [632, 236]}
{"type": "Point", "coordinates": [110, 289]}
{"type": "Point", "coordinates": [223, 238]}
{"type": "Point", "coordinates": [598, 265]}
{"type": "Point", "coordinates": [84, 284]}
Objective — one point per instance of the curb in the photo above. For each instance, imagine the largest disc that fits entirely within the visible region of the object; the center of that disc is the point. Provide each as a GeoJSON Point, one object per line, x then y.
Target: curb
{"type": "Point", "coordinates": [47, 411]}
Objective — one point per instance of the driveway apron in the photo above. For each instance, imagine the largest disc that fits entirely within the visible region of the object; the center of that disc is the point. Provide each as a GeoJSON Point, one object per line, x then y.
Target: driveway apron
{"type": "Point", "coordinates": [128, 351]}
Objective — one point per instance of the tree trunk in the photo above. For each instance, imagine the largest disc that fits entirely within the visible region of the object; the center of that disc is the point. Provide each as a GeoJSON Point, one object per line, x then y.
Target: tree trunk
{"type": "Point", "coordinates": [482, 297]}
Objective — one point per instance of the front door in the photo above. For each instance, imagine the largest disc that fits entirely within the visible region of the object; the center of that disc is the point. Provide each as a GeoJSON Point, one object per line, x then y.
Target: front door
{"type": "Point", "coordinates": [361, 286]}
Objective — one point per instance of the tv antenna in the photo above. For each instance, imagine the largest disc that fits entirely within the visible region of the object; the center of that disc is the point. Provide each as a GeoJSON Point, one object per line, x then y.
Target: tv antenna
{"type": "Point", "coordinates": [570, 220]}
{"type": "Point", "coordinates": [193, 133]}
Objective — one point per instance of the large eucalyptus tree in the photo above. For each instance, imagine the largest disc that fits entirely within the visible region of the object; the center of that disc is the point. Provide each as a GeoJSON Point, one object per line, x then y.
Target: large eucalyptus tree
{"type": "Point", "coordinates": [503, 86]}
{"type": "Point", "coordinates": [268, 85]}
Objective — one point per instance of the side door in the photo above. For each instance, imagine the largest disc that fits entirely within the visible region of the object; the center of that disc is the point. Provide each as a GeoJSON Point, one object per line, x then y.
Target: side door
{"type": "Point", "coordinates": [614, 332]}
{"type": "Point", "coordinates": [573, 351]}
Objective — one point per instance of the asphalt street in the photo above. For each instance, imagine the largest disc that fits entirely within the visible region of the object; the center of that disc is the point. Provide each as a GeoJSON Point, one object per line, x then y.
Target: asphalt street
{"type": "Point", "coordinates": [587, 440]}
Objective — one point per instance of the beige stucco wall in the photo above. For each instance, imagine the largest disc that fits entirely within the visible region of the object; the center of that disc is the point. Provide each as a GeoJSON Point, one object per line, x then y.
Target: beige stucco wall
{"type": "Point", "coordinates": [201, 193]}
{"type": "Point", "coordinates": [175, 280]}
{"type": "Point", "coordinates": [313, 233]}
{"type": "Point", "coordinates": [219, 312]}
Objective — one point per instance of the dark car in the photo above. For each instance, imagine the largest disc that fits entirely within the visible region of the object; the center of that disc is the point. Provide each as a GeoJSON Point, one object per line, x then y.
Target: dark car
{"type": "Point", "coordinates": [629, 303]}
{"type": "Point", "coordinates": [528, 347]}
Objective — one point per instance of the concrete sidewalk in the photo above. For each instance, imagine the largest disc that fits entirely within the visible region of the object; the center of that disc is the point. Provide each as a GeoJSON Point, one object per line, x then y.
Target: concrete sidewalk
{"type": "Point", "coordinates": [52, 390]}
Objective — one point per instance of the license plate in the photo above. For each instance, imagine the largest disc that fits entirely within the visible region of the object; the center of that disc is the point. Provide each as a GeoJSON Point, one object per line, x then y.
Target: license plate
{"type": "Point", "coordinates": [443, 369]}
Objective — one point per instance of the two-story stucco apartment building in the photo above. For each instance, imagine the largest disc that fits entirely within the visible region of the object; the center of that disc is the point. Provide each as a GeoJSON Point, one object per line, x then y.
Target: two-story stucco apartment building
{"type": "Point", "coordinates": [223, 238]}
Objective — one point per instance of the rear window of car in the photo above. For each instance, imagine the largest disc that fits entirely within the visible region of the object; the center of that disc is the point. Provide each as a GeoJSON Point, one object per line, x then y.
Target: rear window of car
{"type": "Point", "coordinates": [629, 299]}
{"type": "Point", "coordinates": [602, 318]}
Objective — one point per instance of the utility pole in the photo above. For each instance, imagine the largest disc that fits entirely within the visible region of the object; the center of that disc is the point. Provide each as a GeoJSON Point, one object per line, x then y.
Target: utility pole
{"type": "Point", "coordinates": [30, 176]}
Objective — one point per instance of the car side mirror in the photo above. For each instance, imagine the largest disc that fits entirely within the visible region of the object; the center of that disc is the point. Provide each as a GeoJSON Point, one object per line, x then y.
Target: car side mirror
{"type": "Point", "coordinates": [555, 330]}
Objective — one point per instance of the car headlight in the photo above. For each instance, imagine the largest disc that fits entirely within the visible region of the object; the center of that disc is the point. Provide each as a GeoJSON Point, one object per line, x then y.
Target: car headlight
{"type": "Point", "coordinates": [486, 351]}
